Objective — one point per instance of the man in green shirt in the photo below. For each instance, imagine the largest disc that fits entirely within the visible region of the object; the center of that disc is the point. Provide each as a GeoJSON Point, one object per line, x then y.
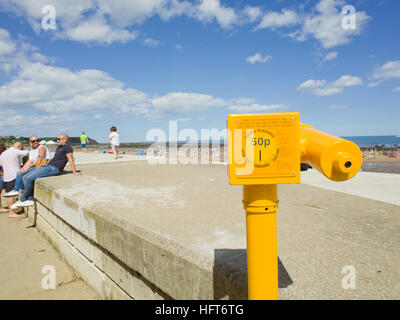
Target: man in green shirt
{"type": "Point", "coordinates": [84, 140]}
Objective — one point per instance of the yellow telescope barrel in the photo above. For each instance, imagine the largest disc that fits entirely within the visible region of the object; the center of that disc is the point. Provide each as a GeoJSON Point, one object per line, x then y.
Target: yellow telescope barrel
{"type": "Point", "coordinates": [336, 158]}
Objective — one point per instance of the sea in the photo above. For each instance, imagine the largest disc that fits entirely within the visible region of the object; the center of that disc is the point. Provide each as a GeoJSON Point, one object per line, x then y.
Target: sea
{"type": "Point", "coordinates": [372, 141]}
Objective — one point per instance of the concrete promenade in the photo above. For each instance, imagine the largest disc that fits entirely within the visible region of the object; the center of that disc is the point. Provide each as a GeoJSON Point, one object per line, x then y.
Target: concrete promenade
{"type": "Point", "coordinates": [371, 185]}
{"type": "Point", "coordinates": [178, 231]}
{"type": "Point", "coordinates": [192, 224]}
{"type": "Point", "coordinates": [98, 157]}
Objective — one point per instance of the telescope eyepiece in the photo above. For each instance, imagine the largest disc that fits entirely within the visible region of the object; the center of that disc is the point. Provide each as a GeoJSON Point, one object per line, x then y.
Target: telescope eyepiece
{"type": "Point", "coordinates": [348, 164]}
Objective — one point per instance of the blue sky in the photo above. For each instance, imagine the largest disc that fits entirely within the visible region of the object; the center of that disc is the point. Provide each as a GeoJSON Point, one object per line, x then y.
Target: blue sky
{"type": "Point", "coordinates": [139, 64]}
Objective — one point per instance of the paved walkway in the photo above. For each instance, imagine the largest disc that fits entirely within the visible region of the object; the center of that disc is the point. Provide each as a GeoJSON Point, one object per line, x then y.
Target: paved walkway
{"type": "Point", "coordinates": [24, 253]}
{"type": "Point", "coordinates": [99, 157]}
{"type": "Point", "coordinates": [383, 187]}
{"type": "Point", "coordinates": [191, 212]}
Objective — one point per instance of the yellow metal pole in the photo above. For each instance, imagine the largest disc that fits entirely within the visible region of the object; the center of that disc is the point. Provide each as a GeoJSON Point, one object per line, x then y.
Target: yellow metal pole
{"type": "Point", "coordinates": [261, 203]}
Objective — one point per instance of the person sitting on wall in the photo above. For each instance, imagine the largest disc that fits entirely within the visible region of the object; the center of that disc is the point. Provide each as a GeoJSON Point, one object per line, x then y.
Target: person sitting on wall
{"type": "Point", "coordinates": [2, 185]}
{"type": "Point", "coordinates": [39, 156]}
{"type": "Point", "coordinates": [56, 165]}
{"type": "Point", "coordinates": [10, 160]}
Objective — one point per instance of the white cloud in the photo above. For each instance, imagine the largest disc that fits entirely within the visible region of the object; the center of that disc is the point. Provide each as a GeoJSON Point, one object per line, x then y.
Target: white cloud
{"type": "Point", "coordinates": [183, 102]}
{"type": "Point", "coordinates": [56, 92]}
{"type": "Point", "coordinates": [209, 10]}
{"type": "Point", "coordinates": [321, 88]}
{"type": "Point", "coordinates": [152, 42]}
{"type": "Point", "coordinates": [278, 20]}
{"type": "Point", "coordinates": [15, 53]}
{"type": "Point", "coordinates": [9, 117]}
{"type": "Point", "coordinates": [54, 89]}
{"type": "Point", "coordinates": [242, 101]}
{"type": "Point", "coordinates": [390, 70]}
{"type": "Point", "coordinates": [126, 13]}
{"type": "Point", "coordinates": [176, 8]}
{"type": "Point", "coordinates": [256, 108]}
{"type": "Point", "coordinates": [311, 84]}
{"type": "Point", "coordinates": [96, 29]}
{"type": "Point", "coordinates": [252, 13]}
{"type": "Point", "coordinates": [396, 89]}
{"type": "Point", "coordinates": [325, 24]}
{"type": "Point", "coordinates": [101, 21]}
{"type": "Point", "coordinates": [347, 81]}
{"type": "Point", "coordinates": [68, 12]}
{"type": "Point", "coordinates": [12, 119]}
{"type": "Point", "coordinates": [330, 56]}
{"type": "Point", "coordinates": [258, 58]}
{"type": "Point", "coordinates": [36, 56]}
{"type": "Point", "coordinates": [106, 21]}
{"type": "Point", "coordinates": [7, 45]}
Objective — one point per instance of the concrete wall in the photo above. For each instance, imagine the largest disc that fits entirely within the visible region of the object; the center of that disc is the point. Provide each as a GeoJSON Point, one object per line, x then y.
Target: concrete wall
{"type": "Point", "coordinates": [139, 231]}
{"type": "Point", "coordinates": [109, 277]}
{"type": "Point", "coordinates": [122, 260]}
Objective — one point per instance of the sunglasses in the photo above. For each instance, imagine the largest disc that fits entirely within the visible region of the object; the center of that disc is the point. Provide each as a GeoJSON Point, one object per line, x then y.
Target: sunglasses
{"type": "Point", "coordinates": [33, 141]}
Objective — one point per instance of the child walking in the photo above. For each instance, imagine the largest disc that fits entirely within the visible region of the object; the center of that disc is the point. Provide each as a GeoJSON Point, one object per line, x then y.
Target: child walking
{"type": "Point", "coordinates": [114, 138]}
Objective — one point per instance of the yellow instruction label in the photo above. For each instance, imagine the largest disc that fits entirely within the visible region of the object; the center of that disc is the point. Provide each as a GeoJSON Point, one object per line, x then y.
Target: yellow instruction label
{"type": "Point", "coordinates": [264, 148]}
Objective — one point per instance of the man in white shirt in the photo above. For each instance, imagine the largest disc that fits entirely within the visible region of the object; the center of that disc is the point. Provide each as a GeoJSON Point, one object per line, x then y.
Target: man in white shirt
{"type": "Point", "coordinates": [10, 160]}
{"type": "Point", "coordinates": [37, 152]}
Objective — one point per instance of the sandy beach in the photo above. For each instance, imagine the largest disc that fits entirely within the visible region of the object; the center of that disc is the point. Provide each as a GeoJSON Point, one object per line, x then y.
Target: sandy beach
{"type": "Point", "coordinates": [380, 163]}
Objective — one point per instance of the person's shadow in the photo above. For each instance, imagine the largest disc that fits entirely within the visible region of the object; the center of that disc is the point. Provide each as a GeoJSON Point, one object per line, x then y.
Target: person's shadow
{"type": "Point", "coordinates": [230, 274]}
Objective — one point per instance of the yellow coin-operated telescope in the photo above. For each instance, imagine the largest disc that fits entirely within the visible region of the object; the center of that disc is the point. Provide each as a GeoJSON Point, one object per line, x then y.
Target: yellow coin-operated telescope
{"type": "Point", "coordinates": [266, 150]}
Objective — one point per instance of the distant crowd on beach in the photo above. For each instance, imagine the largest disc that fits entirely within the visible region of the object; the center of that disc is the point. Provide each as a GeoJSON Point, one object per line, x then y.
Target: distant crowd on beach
{"type": "Point", "coordinates": [374, 154]}
{"type": "Point", "coordinates": [19, 168]}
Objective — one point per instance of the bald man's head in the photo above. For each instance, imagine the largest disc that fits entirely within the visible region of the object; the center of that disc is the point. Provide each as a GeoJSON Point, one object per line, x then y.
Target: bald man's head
{"type": "Point", "coordinates": [62, 139]}
{"type": "Point", "coordinates": [18, 145]}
